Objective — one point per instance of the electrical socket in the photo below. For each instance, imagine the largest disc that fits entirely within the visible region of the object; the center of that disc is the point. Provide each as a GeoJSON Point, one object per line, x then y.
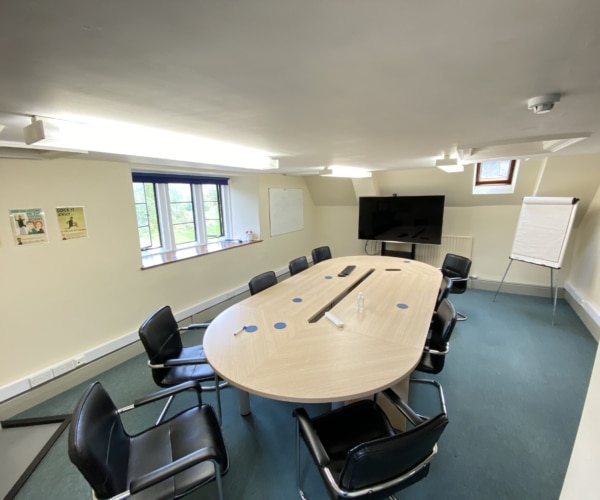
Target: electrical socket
{"type": "Point", "coordinates": [79, 360]}
{"type": "Point", "coordinates": [40, 378]}
{"type": "Point", "coordinates": [65, 367]}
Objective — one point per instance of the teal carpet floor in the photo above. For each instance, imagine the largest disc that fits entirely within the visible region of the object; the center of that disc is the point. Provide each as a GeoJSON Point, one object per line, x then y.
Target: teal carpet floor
{"type": "Point", "coordinates": [515, 387]}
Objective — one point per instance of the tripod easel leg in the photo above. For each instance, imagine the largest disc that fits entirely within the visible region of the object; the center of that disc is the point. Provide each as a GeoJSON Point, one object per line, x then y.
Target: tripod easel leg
{"type": "Point", "coordinates": [502, 281]}
{"type": "Point", "coordinates": [554, 290]}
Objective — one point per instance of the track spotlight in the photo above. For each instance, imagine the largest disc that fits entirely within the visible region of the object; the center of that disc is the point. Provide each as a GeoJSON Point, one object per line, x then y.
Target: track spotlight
{"type": "Point", "coordinates": [34, 132]}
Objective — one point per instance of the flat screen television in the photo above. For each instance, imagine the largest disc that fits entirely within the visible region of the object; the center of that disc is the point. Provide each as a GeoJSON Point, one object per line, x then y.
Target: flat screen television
{"type": "Point", "coordinates": [403, 219]}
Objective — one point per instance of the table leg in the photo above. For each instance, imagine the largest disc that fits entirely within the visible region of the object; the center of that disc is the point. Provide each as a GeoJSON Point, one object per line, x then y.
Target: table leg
{"type": "Point", "coordinates": [396, 418]}
{"type": "Point", "coordinates": [244, 400]}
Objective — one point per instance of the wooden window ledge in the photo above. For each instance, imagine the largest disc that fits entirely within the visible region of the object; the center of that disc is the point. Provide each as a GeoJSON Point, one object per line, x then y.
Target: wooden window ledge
{"type": "Point", "coordinates": [160, 259]}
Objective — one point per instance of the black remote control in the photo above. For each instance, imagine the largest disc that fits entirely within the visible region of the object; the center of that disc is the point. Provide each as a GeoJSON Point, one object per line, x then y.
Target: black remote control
{"type": "Point", "coordinates": [346, 271]}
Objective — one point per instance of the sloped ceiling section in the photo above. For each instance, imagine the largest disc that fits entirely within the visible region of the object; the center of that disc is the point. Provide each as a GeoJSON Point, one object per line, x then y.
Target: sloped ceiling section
{"type": "Point", "coordinates": [331, 191]}
{"type": "Point", "coordinates": [577, 176]}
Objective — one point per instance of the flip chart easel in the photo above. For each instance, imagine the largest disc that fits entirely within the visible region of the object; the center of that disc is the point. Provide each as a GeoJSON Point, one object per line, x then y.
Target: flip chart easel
{"type": "Point", "coordinates": [542, 235]}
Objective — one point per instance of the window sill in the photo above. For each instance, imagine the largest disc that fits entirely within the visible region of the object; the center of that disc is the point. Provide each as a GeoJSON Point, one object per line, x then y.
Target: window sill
{"type": "Point", "coordinates": [504, 189]}
{"type": "Point", "coordinates": [149, 261]}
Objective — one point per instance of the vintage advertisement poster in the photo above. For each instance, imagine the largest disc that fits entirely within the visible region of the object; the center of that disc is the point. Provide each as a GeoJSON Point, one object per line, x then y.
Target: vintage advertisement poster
{"type": "Point", "coordinates": [29, 225]}
{"type": "Point", "coordinates": [71, 222]}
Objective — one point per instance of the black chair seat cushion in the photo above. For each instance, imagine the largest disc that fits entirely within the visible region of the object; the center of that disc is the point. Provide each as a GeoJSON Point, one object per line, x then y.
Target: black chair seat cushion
{"type": "Point", "coordinates": [183, 434]}
{"type": "Point", "coordinates": [184, 373]}
{"type": "Point", "coordinates": [339, 430]}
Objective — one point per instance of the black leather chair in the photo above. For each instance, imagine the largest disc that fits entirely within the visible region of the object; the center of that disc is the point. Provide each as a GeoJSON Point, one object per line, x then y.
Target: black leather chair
{"type": "Point", "coordinates": [262, 282]}
{"type": "Point", "coordinates": [172, 363]}
{"type": "Point", "coordinates": [321, 253]}
{"type": "Point", "coordinates": [444, 291]}
{"type": "Point", "coordinates": [438, 340]}
{"type": "Point", "coordinates": [456, 268]}
{"type": "Point", "coordinates": [298, 265]}
{"type": "Point", "coordinates": [360, 455]}
{"type": "Point", "coordinates": [167, 460]}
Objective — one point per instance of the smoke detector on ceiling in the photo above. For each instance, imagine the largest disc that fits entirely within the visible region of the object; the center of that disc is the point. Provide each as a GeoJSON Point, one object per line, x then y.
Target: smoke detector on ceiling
{"type": "Point", "coordinates": [543, 103]}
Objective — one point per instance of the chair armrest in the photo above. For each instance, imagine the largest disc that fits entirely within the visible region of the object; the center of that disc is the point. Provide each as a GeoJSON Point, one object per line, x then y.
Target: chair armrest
{"type": "Point", "coordinates": [193, 326]}
{"type": "Point", "coordinates": [439, 388]}
{"type": "Point", "coordinates": [458, 279]}
{"type": "Point", "coordinates": [169, 391]}
{"type": "Point", "coordinates": [413, 417]}
{"type": "Point", "coordinates": [184, 361]}
{"type": "Point", "coordinates": [427, 349]}
{"type": "Point", "coordinates": [150, 479]}
{"type": "Point", "coordinates": [310, 437]}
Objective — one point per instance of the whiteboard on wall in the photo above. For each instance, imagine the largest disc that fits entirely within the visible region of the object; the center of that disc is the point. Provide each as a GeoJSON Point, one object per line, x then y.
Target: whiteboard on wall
{"type": "Point", "coordinates": [543, 230]}
{"type": "Point", "coordinates": [286, 210]}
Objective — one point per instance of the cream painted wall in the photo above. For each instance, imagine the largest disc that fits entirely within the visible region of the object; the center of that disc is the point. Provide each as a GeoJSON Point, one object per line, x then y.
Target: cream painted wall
{"type": "Point", "coordinates": [62, 298]}
{"type": "Point", "coordinates": [585, 271]}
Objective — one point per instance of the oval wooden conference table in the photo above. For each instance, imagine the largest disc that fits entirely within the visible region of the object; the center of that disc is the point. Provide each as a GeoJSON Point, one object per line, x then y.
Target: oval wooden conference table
{"type": "Point", "coordinates": [290, 351]}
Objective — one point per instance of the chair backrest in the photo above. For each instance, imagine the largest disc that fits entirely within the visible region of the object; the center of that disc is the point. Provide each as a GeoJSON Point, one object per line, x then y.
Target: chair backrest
{"type": "Point", "coordinates": [457, 266]}
{"type": "Point", "coordinates": [98, 443]}
{"type": "Point", "coordinates": [298, 265]}
{"type": "Point", "coordinates": [161, 339]}
{"type": "Point", "coordinates": [382, 460]}
{"type": "Point", "coordinates": [262, 282]}
{"type": "Point", "coordinates": [444, 290]}
{"type": "Point", "coordinates": [442, 326]}
{"type": "Point", "coordinates": [321, 253]}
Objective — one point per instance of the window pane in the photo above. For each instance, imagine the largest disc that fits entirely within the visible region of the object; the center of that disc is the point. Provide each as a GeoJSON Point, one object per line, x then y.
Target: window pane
{"type": "Point", "coordinates": [147, 215]}
{"type": "Point", "coordinates": [184, 233]}
{"type": "Point", "coordinates": [182, 213]}
{"type": "Point", "coordinates": [210, 192]}
{"type": "Point", "coordinates": [138, 192]}
{"type": "Point", "coordinates": [495, 172]}
{"type": "Point", "coordinates": [213, 215]}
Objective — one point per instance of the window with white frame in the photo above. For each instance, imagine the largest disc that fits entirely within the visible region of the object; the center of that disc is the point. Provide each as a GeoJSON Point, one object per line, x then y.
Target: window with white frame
{"type": "Point", "coordinates": [495, 177]}
{"type": "Point", "coordinates": [179, 211]}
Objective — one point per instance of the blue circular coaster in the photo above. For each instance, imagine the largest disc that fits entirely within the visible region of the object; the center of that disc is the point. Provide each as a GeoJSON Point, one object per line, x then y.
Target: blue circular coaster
{"type": "Point", "coordinates": [407, 261]}
{"type": "Point", "coordinates": [280, 325]}
{"type": "Point", "coordinates": [297, 299]}
{"type": "Point", "coordinates": [328, 277]}
{"type": "Point", "coordinates": [402, 306]}
{"type": "Point", "coordinates": [251, 328]}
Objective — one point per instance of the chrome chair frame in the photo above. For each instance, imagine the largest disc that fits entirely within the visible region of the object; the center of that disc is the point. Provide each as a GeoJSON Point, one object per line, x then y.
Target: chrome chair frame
{"type": "Point", "coordinates": [413, 417]}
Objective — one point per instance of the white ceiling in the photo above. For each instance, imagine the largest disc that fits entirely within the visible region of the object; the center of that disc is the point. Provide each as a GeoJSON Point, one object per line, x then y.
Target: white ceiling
{"type": "Point", "coordinates": [385, 84]}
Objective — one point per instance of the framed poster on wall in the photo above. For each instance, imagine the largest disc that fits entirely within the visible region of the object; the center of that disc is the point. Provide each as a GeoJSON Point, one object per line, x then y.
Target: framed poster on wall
{"type": "Point", "coordinates": [71, 222]}
{"type": "Point", "coordinates": [28, 225]}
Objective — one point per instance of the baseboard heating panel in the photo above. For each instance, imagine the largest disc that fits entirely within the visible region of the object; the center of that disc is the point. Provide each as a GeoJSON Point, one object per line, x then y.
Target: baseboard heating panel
{"type": "Point", "coordinates": [434, 254]}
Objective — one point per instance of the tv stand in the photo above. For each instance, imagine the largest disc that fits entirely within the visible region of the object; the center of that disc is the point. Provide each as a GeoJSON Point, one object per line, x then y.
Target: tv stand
{"type": "Point", "coordinates": [398, 253]}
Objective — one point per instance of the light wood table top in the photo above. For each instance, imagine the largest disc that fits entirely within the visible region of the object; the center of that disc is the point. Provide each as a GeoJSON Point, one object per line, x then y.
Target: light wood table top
{"type": "Point", "coordinates": [316, 362]}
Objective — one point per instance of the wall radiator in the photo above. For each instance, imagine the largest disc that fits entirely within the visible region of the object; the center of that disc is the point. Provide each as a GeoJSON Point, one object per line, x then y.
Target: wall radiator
{"type": "Point", "coordinates": [434, 254]}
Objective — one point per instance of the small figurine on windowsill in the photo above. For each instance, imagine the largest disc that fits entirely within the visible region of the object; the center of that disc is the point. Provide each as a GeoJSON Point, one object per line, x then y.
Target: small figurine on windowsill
{"type": "Point", "coordinates": [249, 235]}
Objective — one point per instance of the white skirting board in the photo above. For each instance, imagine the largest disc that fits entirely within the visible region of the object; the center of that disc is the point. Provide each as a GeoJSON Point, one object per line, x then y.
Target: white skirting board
{"type": "Point", "coordinates": [587, 312]}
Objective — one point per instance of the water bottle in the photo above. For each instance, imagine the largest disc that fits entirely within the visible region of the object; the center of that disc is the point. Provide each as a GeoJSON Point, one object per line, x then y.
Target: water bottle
{"type": "Point", "coordinates": [360, 302]}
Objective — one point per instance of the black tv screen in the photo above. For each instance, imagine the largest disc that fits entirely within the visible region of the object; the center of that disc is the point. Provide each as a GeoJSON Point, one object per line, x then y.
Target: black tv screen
{"type": "Point", "coordinates": [404, 219]}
